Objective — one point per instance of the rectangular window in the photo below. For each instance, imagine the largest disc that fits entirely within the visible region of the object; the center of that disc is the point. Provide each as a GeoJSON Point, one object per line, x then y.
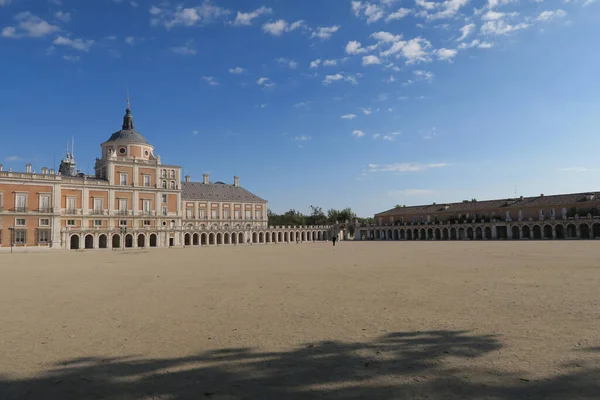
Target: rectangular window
{"type": "Point", "coordinates": [43, 236]}
{"type": "Point", "coordinates": [0, 201]}
{"type": "Point", "coordinates": [552, 212]}
{"type": "Point", "coordinates": [164, 173]}
{"type": "Point", "coordinates": [508, 215]}
{"type": "Point", "coordinates": [98, 205]}
{"type": "Point", "coordinates": [258, 214]}
{"type": "Point", "coordinates": [97, 222]}
{"type": "Point", "coordinates": [520, 214]}
{"type": "Point", "coordinates": [21, 203]}
{"type": "Point", "coordinates": [541, 213]}
{"type": "Point", "coordinates": [164, 211]}
{"type": "Point", "coordinates": [189, 213]}
{"type": "Point", "coordinates": [44, 203]}
{"type": "Point", "coordinates": [237, 214]}
{"type": "Point", "coordinates": [226, 213]}
{"type": "Point", "coordinates": [428, 218]}
{"type": "Point", "coordinates": [414, 220]}
{"type": "Point", "coordinates": [123, 222]}
{"type": "Point", "coordinates": [122, 206]}
{"type": "Point", "coordinates": [20, 236]}
{"type": "Point", "coordinates": [71, 222]}
{"type": "Point", "coordinates": [172, 175]}
{"type": "Point", "coordinates": [71, 204]}
{"type": "Point", "coordinates": [564, 212]}
{"type": "Point", "coordinates": [146, 206]}
{"type": "Point", "coordinates": [123, 179]}
{"type": "Point", "coordinates": [214, 213]}
{"type": "Point", "coordinates": [20, 222]}
{"type": "Point", "coordinates": [164, 198]}
{"type": "Point", "coordinates": [147, 222]}
{"type": "Point", "coordinates": [248, 214]}
{"type": "Point", "coordinates": [147, 180]}
{"type": "Point", "coordinates": [44, 222]}
{"type": "Point", "coordinates": [202, 213]}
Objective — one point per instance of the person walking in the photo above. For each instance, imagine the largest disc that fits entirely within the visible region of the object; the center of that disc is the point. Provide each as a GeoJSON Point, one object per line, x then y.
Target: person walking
{"type": "Point", "coordinates": [333, 239]}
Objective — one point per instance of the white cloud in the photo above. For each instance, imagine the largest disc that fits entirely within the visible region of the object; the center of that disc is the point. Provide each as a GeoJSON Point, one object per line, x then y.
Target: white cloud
{"type": "Point", "coordinates": [246, 18]}
{"type": "Point", "coordinates": [376, 135]}
{"type": "Point", "coordinates": [62, 16]}
{"type": "Point", "coordinates": [277, 28]}
{"type": "Point", "coordinates": [264, 82]}
{"type": "Point", "coordinates": [413, 50]}
{"type": "Point", "coordinates": [546, 16]}
{"type": "Point", "coordinates": [301, 138]}
{"type": "Point", "coordinates": [366, 111]}
{"type": "Point", "coordinates": [445, 54]}
{"type": "Point", "coordinates": [348, 116]}
{"type": "Point", "coordinates": [210, 80]}
{"type": "Point", "coordinates": [29, 25]}
{"type": "Point", "coordinates": [401, 13]}
{"type": "Point", "coordinates": [77, 44]}
{"type": "Point", "coordinates": [71, 58]}
{"type": "Point", "coordinates": [423, 75]}
{"type": "Point", "coordinates": [411, 192]}
{"type": "Point", "coordinates": [404, 167]}
{"type": "Point", "coordinates": [237, 70]}
{"type": "Point", "coordinates": [325, 32]}
{"type": "Point", "coordinates": [501, 28]}
{"type": "Point", "coordinates": [13, 158]}
{"type": "Point", "coordinates": [302, 104]}
{"type": "Point", "coordinates": [445, 9]}
{"type": "Point", "coordinates": [371, 60]}
{"type": "Point", "coordinates": [195, 133]}
{"type": "Point", "coordinates": [315, 64]}
{"type": "Point", "coordinates": [354, 47]}
{"type": "Point", "coordinates": [201, 15]}
{"type": "Point", "coordinates": [332, 78]}
{"type": "Point", "coordinates": [493, 15]}
{"type": "Point", "coordinates": [358, 133]}
{"type": "Point", "coordinates": [466, 31]}
{"type": "Point", "coordinates": [372, 12]}
{"type": "Point", "coordinates": [184, 50]}
{"type": "Point", "coordinates": [5, 2]}
{"type": "Point", "coordinates": [475, 43]}
{"type": "Point", "coordinates": [286, 61]}
{"type": "Point", "coordinates": [329, 63]}
{"type": "Point", "coordinates": [386, 37]}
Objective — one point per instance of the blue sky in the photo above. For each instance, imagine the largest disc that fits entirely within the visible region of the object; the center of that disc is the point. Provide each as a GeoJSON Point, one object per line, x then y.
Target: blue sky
{"type": "Point", "coordinates": [335, 103]}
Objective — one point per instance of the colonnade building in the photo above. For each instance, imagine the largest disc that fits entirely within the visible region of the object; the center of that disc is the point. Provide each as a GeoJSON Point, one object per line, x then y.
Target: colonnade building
{"type": "Point", "coordinates": [132, 200]}
{"type": "Point", "coordinates": [563, 216]}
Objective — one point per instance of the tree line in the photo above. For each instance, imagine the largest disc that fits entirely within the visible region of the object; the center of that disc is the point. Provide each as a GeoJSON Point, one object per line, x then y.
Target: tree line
{"type": "Point", "coordinates": [316, 217]}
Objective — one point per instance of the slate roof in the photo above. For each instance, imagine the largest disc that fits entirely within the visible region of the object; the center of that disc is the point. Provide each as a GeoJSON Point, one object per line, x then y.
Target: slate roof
{"type": "Point", "coordinates": [217, 192]}
{"type": "Point", "coordinates": [515, 203]}
{"type": "Point", "coordinates": [127, 136]}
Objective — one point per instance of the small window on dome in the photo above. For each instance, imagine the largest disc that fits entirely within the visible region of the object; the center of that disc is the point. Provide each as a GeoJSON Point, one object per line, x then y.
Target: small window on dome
{"type": "Point", "coordinates": [146, 153]}
{"type": "Point", "coordinates": [122, 150]}
{"type": "Point", "coordinates": [110, 150]}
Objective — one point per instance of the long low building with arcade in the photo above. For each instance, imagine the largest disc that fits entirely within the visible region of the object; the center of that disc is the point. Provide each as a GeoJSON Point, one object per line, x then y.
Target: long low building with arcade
{"type": "Point", "coordinates": [132, 200]}
{"type": "Point", "coordinates": [563, 216]}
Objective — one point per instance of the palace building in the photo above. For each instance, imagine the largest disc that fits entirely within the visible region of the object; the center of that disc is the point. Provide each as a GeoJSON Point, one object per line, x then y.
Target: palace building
{"type": "Point", "coordinates": [563, 216]}
{"type": "Point", "coordinates": [132, 200]}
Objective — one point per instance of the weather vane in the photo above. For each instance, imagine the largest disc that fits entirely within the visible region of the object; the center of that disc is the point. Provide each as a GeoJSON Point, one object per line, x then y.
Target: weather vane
{"type": "Point", "coordinates": [128, 100]}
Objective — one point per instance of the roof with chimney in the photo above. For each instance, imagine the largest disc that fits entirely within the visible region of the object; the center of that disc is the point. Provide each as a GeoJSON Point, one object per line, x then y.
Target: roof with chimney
{"type": "Point", "coordinates": [128, 134]}
{"type": "Point", "coordinates": [509, 203]}
{"type": "Point", "coordinates": [217, 191]}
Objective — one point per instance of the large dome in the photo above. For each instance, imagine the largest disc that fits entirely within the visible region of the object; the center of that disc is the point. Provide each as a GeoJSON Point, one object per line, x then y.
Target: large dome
{"type": "Point", "coordinates": [128, 134]}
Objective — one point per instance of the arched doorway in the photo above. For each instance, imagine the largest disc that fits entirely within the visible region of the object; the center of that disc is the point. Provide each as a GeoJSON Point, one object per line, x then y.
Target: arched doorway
{"type": "Point", "coordinates": [526, 232]}
{"type": "Point", "coordinates": [203, 239]}
{"type": "Point", "coordinates": [571, 231]}
{"type": "Point", "coordinates": [153, 240]}
{"type": "Point", "coordinates": [89, 242]}
{"type": "Point", "coordinates": [584, 231]}
{"type": "Point", "coordinates": [102, 242]}
{"type": "Point", "coordinates": [129, 240]}
{"type": "Point", "coordinates": [226, 238]}
{"type": "Point", "coordinates": [219, 238]}
{"type": "Point", "coordinates": [445, 233]}
{"type": "Point", "coordinates": [286, 237]}
{"type": "Point", "coordinates": [487, 232]}
{"type": "Point", "coordinates": [402, 234]}
{"type": "Point", "coordinates": [547, 231]}
{"type": "Point", "coordinates": [559, 231]}
{"type": "Point", "coordinates": [470, 233]}
{"type": "Point", "coordinates": [596, 230]}
{"type": "Point", "coordinates": [461, 233]}
{"type": "Point", "coordinates": [261, 237]}
{"type": "Point", "coordinates": [234, 238]}
{"type": "Point", "coordinates": [254, 237]}
{"type": "Point", "coordinates": [211, 238]}
{"type": "Point", "coordinates": [409, 234]}
{"type": "Point", "coordinates": [196, 239]}
{"type": "Point", "coordinates": [280, 239]}
{"type": "Point", "coordinates": [453, 234]}
{"type": "Point", "coordinates": [537, 232]}
{"type": "Point", "coordinates": [141, 241]}
{"type": "Point", "coordinates": [515, 232]}
{"type": "Point", "coordinates": [241, 237]}
{"type": "Point", "coordinates": [429, 234]}
{"type": "Point", "coordinates": [478, 233]}
{"type": "Point", "coordinates": [74, 242]}
{"type": "Point", "coordinates": [423, 234]}
{"type": "Point", "coordinates": [116, 241]}
{"type": "Point", "coordinates": [187, 240]}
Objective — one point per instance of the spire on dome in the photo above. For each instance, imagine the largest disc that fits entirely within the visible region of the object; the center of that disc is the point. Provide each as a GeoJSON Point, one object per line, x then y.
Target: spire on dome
{"type": "Point", "coordinates": [128, 120]}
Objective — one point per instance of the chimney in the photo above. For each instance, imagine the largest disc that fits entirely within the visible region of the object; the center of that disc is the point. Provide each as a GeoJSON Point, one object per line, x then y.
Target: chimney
{"type": "Point", "coordinates": [28, 168]}
{"type": "Point", "coordinates": [1, 166]}
{"type": "Point", "coordinates": [44, 171]}
{"type": "Point", "coordinates": [236, 181]}
{"type": "Point", "coordinates": [188, 178]}
{"type": "Point", "coordinates": [542, 195]}
{"type": "Point", "coordinates": [205, 179]}
{"type": "Point", "coordinates": [521, 197]}
{"type": "Point", "coordinates": [51, 171]}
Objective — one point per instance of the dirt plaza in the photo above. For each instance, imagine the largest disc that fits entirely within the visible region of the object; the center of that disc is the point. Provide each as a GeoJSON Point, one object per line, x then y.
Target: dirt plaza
{"type": "Point", "coordinates": [361, 320]}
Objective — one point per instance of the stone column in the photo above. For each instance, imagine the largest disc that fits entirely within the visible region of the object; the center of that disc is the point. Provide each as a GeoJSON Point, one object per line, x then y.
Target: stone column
{"type": "Point", "coordinates": [494, 233]}
{"type": "Point", "coordinates": [509, 234]}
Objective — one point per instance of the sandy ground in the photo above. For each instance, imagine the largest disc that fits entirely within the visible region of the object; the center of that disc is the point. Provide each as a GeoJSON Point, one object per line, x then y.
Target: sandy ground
{"type": "Point", "coordinates": [378, 320]}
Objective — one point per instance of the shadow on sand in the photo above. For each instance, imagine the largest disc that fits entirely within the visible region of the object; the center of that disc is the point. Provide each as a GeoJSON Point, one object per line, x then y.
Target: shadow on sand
{"type": "Point", "coordinates": [402, 365]}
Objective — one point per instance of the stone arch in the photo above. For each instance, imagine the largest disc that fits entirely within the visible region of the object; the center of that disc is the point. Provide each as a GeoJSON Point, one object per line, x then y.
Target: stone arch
{"type": "Point", "coordinates": [395, 234]}
{"type": "Point", "coordinates": [422, 234]}
{"type": "Point", "coordinates": [286, 237]}
{"type": "Point", "coordinates": [280, 237]}
{"type": "Point", "coordinates": [241, 237]}
{"type": "Point", "coordinates": [453, 235]}
{"type": "Point", "coordinates": [478, 233]}
{"type": "Point", "coordinates": [129, 240]}
{"type": "Point", "coordinates": [516, 233]}
{"type": "Point", "coordinates": [211, 238]}
{"type": "Point", "coordinates": [195, 239]}
{"type": "Point", "coordinates": [303, 236]}
{"type": "Point", "coordinates": [584, 231]}
{"type": "Point", "coordinates": [261, 237]}
{"type": "Point", "coordinates": [537, 232]}
{"type": "Point", "coordinates": [438, 234]}
{"type": "Point", "coordinates": [187, 240]}
{"type": "Point", "coordinates": [203, 239]}
{"type": "Point", "coordinates": [102, 241]}
{"type": "Point", "coordinates": [409, 234]}
{"type": "Point", "coordinates": [402, 234]}
{"type": "Point", "coordinates": [390, 234]}
{"type": "Point", "coordinates": [219, 238]}
{"type": "Point", "coordinates": [571, 231]}
{"type": "Point", "coordinates": [470, 232]}
{"type": "Point", "coordinates": [596, 230]}
{"type": "Point", "coordinates": [88, 241]}
{"type": "Point", "coordinates": [116, 241]}
{"type": "Point", "coordinates": [487, 232]}
{"type": "Point", "coordinates": [526, 232]}
{"type": "Point", "coordinates": [429, 233]}
{"type": "Point", "coordinates": [547, 231]}
{"type": "Point", "coordinates": [254, 237]}
{"type": "Point", "coordinates": [268, 237]}
{"type": "Point", "coordinates": [559, 231]}
{"type": "Point", "coordinates": [461, 233]}
{"type": "Point", "coordinates": [445, 235]}
{"type": "Point", "coordinates": [226, 238]}
{"type": "Point", "coordinates": [141, 240]}
{"type": "Point", "coordinates": [153, 240]}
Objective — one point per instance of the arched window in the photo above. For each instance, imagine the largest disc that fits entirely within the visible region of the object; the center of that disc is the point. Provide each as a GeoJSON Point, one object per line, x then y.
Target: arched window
{"type": "Point", "coordinates": [164, 184]}
{"type": "Point", "coordinates": [164, 173]}
{"type": "Point", "coordinates": [172, 184]}
{"type": "Point", "coordinates": [172, 174]}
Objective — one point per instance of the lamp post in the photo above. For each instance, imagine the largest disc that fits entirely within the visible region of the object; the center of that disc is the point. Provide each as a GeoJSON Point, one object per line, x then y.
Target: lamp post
{"type": "Point", "coordinates": [12, 238]}
{"type": "Point", "coordinates": [123, 231]}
